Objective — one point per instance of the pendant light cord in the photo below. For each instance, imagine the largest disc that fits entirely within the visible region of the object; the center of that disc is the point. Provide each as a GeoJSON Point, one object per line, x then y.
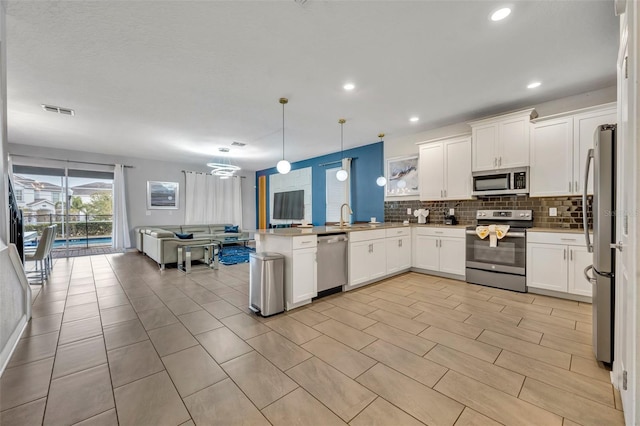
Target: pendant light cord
{"type": "Point", "coordinates": [342, 121]}
{"type": "Point", "coordinates": [283, 130]}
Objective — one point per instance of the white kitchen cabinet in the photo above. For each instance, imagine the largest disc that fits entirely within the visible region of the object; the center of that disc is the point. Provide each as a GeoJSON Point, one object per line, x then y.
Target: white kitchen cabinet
{"type": "Point", "coordinates": [551, 172]}
{"type": "Point", "coordinates": [547, 266]}
{"type": "Point", "coordinates": [440, 250]}
{"type": "Point", "coordinates": [584, 127]}
{"type": "Point", "coordinates": [427, 252]}
{"type": "Point", "coordinates": [367, 256]}
{"type": "Point", "coordinates": [431, 171]}
{"type": "Point", "coordinates": [556, 261]}
{"type": "Point", "coordinates": [501, 142]}
{"type": "Point", "coordinates": [559, 148]}
{"type": "Point", "coordinates": [300, 265]}
{"type": "Point", "coordinates": [304, 275]}
{"type": "Point", "coordinates": [398, 250]}
{"type": "Point", "coordinates": [579, 259]}
{"type": "Point", "coordinates": [445, 169]}
{"type": "Point", "coordinates": [452, 255]}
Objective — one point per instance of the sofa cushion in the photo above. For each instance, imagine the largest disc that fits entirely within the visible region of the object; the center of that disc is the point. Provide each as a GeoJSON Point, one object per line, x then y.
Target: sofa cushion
{"type": "Point", "coordinates": [184, 236]}
{"type": "Point", "coordinates": [195, 229]}
{"type": "Point", "coordinates": [160, 233]}
{"type": "Point", "coordinates": [232, 229]}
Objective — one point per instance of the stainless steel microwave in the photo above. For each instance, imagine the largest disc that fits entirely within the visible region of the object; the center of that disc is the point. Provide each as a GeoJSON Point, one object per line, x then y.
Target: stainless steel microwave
{"type": "Point", "coordinates": [501, 182]}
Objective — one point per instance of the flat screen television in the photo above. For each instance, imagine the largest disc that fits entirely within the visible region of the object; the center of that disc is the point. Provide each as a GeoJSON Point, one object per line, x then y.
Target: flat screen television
{"type": "Point", "coordinates": [288, 205]}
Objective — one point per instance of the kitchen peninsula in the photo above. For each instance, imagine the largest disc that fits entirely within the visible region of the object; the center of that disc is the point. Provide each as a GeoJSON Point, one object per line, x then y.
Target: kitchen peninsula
{"type": "Point", "coordinates": [375, 252]}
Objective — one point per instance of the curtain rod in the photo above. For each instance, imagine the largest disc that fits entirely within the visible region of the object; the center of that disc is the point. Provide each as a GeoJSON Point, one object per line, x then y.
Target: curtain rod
{"type": "Point", "coordinates": [204, 173]}
{"type": "Point", "coordinates": [335, 162]}
{"type": "Point", "coordinates": [68, 161]}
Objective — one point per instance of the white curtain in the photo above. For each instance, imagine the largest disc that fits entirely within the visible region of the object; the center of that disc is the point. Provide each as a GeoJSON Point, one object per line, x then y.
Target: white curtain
{"type": "Point", "coordinates": [121, 239]}
{"type": "Point", "coordinates": [211, 200]}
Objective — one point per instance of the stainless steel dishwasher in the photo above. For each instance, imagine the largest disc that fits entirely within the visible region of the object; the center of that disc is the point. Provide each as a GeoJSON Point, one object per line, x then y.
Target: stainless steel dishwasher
{"type": "Point", "coordinates": [332, 262]}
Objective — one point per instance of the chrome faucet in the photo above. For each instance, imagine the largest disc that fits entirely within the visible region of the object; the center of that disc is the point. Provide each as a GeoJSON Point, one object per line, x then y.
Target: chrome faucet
{"type": "Point", "coordinates": [342, 223]}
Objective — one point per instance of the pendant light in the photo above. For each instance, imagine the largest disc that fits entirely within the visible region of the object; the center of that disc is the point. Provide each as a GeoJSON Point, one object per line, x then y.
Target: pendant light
{"type": "Point", "coordinates": [381, 181]}
{"type": "Point", "coordinates": [283, 165]}
{"type": "Point", "coordinates": [342, 174]}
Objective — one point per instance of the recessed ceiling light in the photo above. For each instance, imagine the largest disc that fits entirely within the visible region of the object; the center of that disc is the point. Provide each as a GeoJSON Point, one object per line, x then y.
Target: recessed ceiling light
{"type": "Point", "coordinates": [500, 14]}
{"type": "Point", "coordinates": [349, 86]}
{"type": "Point", "coordinates": [534, 85]}
{"type": "Point", "coordinates": [414, 119]}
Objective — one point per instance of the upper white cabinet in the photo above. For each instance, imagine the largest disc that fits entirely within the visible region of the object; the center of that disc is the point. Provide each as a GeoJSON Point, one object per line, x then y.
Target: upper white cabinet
{"type": "Point", "coordinates": [445, 169]}
{"type": "Point", "coordinates": [501, 142]}
{"type": "Point", "coordinates": [559, 148]}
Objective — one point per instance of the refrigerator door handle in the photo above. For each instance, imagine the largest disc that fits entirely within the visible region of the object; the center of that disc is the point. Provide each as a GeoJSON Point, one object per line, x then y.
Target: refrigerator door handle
{"type": "Point", "coordinates": [584, 201]}
{"type": "Point", "coordinates": [592, 280]}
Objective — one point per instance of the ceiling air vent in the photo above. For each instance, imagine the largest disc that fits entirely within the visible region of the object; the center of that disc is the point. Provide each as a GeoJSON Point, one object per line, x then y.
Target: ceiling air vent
{"type": "Point", "coordinates": [58, 110]}
{"type": "Point", "coordinates": [223, 149]}
{"type": "Point", "coordinates": [236, 143]}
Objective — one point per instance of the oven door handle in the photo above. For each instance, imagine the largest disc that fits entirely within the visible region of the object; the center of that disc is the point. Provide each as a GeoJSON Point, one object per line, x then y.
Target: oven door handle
{"type": "Point", "coordinates": [509, 234]}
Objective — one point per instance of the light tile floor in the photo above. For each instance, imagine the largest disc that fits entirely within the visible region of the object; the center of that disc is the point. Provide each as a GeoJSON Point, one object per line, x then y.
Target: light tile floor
{"type": "Point", "coordinates": [115, 341]}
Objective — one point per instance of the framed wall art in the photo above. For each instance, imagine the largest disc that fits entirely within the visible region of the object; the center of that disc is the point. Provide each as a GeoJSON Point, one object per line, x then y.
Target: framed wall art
{"type": "Point", "coordinates": [162, 195]}
{"type": "Point", "coordinates": [402, 176]}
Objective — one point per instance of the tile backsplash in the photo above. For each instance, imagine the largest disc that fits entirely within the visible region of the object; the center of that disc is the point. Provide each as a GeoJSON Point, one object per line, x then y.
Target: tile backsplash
{"type": "Point", "coordinates": [569, 210]}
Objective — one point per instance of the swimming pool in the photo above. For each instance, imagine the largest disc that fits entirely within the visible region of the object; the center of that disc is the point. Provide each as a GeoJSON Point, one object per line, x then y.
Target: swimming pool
{"type": "Point", "coordinates": [76, 242]}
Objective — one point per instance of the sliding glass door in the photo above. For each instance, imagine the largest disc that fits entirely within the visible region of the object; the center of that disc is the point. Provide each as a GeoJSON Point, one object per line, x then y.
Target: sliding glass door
{"type": "Point", "coordinates": [79, 202]}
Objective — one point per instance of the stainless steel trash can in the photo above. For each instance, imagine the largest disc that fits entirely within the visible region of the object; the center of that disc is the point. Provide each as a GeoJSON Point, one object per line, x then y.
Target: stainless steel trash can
{"type": "Point", "coordinates": [266, 283]}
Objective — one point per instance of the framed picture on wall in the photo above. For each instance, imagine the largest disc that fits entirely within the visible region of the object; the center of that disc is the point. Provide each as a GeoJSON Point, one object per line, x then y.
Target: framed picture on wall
{"type": "Point", "coordinates": [402, 176]}
{"type": "Point", "coordinates": [162, 195]}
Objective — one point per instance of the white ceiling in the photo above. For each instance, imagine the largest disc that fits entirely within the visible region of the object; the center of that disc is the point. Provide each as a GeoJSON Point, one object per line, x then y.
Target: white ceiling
{"type": "Point", "coordinates": [176, 80]}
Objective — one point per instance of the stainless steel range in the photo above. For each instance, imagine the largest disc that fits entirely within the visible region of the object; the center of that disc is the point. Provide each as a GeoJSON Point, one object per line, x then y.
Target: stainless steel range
{"type": "Point", "coordinates": [503, 266]}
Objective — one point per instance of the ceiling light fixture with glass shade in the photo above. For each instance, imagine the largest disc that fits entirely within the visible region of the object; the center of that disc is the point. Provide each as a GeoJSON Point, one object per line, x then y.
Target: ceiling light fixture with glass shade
{"type": "Point", "coordinates": [283, 165]}
{"type": "Point", "coordinates": [342, 174]}
{"type": "Point", "coordinates": [222, 167]}
{"type": "Point", "coordinates": [381, 181]}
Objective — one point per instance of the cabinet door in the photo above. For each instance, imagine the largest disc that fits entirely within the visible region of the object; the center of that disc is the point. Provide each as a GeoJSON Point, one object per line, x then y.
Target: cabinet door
{"type": "Point", "coordinates": [584, 126]}
{"type": "Point", "coordinates": [579, 259]}
{"type": "Point", "coordinates": [431, 171]}
{"type": "Point", "coordinates": [458, 169]}
{"type": "Point", "coordinates": [551, 171]}
{"type": "Point", "coordinates": [359, 262]}
{"type": "Point", "coordinates": [513, 147]}
{"type": "Point", "coordinates": [377, 262]}
{"type": "Point", "coordinates": [452, 255]}
{"type": "Point", "coordinates": [404, 253]}
{"type": "Point", "coordinates": [398, 254]}
{"type": "Point", "coordinates": [484, 140]}
{"type": "Point", "coordinates": [393, 254]}
{"type": "Point", "coordinates": [304, 275]}
{"type": "Point", "coordinates": [547, 266]}
{"type": "Point", "coordinates": [427, 254]}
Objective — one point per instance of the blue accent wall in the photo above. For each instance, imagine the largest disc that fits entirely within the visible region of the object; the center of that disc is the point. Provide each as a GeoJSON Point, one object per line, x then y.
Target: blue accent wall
{"type": "Point", "coordinates": [367, 198]}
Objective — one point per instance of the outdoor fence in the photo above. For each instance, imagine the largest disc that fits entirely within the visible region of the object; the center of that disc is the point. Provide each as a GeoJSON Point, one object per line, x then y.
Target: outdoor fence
{"type": "Point", "coordinates": [88, 228]}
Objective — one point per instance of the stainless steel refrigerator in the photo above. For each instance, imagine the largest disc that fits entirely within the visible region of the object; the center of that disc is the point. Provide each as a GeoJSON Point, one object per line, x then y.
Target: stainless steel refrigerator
{"type": "Point", "coordinates": [603, 158]}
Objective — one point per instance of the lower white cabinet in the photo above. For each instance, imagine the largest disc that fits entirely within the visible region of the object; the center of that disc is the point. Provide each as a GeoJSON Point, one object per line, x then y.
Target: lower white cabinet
{"type": "Point", "coordinates": [398, 241]}
{"type": "Point", "coordinates": [556, 261]}
{"type": "Point", "coordinates": [304, 274]}
{"type": "Point", "coordinates": [300, 265]}
{"type": "Point", "coordinates": [440, 250]}
{"type": "Point", "coordinates": [367, 256]}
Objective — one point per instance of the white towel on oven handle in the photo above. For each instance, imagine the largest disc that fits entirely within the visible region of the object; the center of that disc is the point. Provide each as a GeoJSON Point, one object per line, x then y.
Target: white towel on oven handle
{"type": "Point", "coordinates": [495, 233]}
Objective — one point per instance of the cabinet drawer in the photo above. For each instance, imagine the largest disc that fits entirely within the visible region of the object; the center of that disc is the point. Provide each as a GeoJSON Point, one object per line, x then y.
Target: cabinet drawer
{"type": "Point", "coordinates": [304, 242]}
{"type": "Point", "coordinates": [565, 238]}
{"type": "Point", "coordinates": [441, 232]}
{"type": "Point", "coordinates": [356, 236]}
{"type": "Point", "coordinates": [398, 232]}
